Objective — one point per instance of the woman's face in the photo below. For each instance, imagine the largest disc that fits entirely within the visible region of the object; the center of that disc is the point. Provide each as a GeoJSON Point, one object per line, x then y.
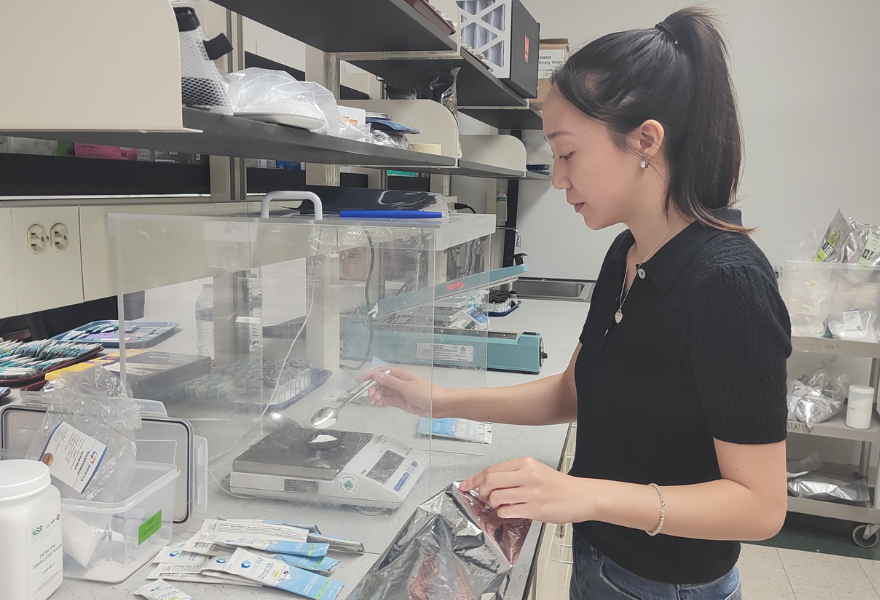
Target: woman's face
{"type": "Point", "coordinates": [600, 180]}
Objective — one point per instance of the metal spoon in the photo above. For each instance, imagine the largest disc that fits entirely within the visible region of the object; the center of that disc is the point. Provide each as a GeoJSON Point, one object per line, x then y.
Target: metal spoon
{"type": "Point", "coordinates": [327, 416]}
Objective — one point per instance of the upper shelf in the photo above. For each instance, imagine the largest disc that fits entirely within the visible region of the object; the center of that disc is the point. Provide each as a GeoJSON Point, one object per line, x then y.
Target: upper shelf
{"type": "Point", "coordinates": [349, 25]}
{"type": "Point", "coordinates": [506, 118]}
{"type": "Point", "coordinates": [476, 85]}
{"type": "Point", "coordinates": [235, 136]}
{"type": "Point", "coordinates": [840, 347]}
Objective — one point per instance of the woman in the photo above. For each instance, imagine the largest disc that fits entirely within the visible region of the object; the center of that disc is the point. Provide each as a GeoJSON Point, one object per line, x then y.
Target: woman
{"type": "Point", "coordinates": [678, 382]}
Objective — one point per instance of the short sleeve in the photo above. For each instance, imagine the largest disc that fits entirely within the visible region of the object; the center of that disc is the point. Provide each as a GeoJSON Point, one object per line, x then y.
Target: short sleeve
{"type": "Point", "coordinates": [739, 338]}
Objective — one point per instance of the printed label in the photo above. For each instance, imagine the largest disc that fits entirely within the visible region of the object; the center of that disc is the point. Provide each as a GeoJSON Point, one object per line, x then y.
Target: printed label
{"type": "Point", "coordinates": [852, 320]}
{"type": "Point", "coordinates": [447, 352]}
{"type": "Point", "coordinates": [871, 253]}
{"type": "Point", "coordinates": [45, 554]}
{"type": "Point", "coordinates": [455, 285]}
{"type": "Point", "coordinates": [149, 527]}
{"type": "Point", "coordinates": [72, 456]}
{"type": "Point", "coordinates": [348, 485]}
{"type": "Point", "coordinates": [161, 590]}
{"type": "Point", "coordinates": [797, 427]}
{"type": "Point", "coordinates": [527, 48]}
{"type": "Point", "coordinates": [279, 532]}
{"type": "Point", "coordinates": [549, 61]}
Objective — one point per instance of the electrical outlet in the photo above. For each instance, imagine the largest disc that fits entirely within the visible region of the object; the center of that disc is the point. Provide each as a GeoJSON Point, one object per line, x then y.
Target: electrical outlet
{"type": "Point", "coordinates": [37, 239]}
{"type": "Point", "coordinates": [58, 237]}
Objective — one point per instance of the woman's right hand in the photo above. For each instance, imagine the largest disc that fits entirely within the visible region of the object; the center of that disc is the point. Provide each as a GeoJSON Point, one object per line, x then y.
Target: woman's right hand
{"type": "Point", "coordinates": [403, 389]}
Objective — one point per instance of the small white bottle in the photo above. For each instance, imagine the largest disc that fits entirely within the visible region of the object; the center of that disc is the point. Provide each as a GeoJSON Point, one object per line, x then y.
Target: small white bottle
{"type": "Point", "coordinates": [31, 560]}
{"type": "Point", "coordinates": [205, 321]}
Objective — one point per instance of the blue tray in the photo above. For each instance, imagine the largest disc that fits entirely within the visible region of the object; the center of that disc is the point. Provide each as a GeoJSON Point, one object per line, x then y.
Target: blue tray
{"type": "Point", "coordinates": [139, 334]}
{"type": "Point", "coordinates": [506, 312]}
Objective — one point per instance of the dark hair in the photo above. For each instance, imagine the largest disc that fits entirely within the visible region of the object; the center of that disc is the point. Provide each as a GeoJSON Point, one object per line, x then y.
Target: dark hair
{"type": "Point", "coordinates": [675, 73]}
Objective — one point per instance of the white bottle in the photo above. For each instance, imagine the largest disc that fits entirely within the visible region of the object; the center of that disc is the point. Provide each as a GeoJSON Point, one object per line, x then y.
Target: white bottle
{"type": "Point", "coordinates": [205, 321]}
{"type": "Point", "coordinates": [31, 560]}
{"type": "Point", "coordinates": [501, 208]}
{"type": "Point", "coordinates": [859, 406]}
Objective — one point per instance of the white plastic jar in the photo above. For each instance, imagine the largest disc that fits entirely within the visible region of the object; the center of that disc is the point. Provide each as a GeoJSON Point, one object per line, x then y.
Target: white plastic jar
{"type": "Point", "coordinates": [31, 560]}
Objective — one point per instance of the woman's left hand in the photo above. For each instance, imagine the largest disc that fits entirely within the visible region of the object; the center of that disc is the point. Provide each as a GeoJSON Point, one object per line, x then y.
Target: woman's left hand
{"type": "Point", "coordinates": [526, 488]}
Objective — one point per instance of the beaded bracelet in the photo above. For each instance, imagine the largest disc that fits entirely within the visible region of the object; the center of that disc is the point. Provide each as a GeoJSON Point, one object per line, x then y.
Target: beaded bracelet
{"type": "Point", "coordinates": [662, 510]}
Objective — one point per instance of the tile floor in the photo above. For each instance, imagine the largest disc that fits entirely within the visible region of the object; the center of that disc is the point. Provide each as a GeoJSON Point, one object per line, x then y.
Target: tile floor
{"type": "Point", "coordinates": [780, 574]}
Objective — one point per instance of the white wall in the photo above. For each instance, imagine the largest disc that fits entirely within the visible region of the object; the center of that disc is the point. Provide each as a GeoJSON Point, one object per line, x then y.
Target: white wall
{"type": "Point", "coordinates": [805, 73]}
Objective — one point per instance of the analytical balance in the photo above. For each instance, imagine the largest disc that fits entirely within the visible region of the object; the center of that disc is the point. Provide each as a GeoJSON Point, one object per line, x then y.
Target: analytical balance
{"type": "Point", "coordinates": [328, 466]}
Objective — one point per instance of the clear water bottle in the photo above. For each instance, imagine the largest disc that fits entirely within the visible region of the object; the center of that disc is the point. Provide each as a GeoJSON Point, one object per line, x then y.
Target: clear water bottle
{"type": "Point", "coordinates": [205, 321]}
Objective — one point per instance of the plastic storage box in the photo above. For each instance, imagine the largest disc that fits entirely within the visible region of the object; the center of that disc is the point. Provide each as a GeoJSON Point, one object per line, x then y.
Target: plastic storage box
{"type": "Point", "coordinates": [109, 541]}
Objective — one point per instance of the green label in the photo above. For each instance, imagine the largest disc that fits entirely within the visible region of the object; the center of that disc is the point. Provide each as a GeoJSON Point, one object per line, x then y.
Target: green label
{"type": "Point", "coordinates": [149, 527]}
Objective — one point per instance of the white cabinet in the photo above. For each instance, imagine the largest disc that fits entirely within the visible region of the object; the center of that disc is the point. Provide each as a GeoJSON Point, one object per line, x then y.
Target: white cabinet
{"type": "Point", "coordinates": [8, 302]}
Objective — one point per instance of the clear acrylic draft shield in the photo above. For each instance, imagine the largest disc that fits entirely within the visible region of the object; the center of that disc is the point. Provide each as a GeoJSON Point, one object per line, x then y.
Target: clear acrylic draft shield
{"type": "Point", "coordinates": [299, 308]}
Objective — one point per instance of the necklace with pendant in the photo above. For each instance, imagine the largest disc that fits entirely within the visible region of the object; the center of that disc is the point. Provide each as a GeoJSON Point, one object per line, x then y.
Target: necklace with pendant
{"type": "Point", "coordinates": [618, 316]}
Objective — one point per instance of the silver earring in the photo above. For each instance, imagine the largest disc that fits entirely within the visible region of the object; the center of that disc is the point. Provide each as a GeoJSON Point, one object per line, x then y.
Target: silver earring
{"type": "Point", "coordinates": [644, 164]}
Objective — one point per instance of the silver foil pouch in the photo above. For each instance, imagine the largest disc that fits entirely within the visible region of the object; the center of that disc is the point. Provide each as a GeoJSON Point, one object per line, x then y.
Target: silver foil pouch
{"type": "Point", "coordinates": [453, 547]}
{"type": "Point", "coordinates": [816, 399]}
{"type": "Point", "coordinates": [818, 486]}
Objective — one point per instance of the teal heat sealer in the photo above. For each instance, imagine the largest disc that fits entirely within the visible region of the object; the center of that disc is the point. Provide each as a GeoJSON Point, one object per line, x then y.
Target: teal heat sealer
{"type": "Point", "coordinates": [421, 337]}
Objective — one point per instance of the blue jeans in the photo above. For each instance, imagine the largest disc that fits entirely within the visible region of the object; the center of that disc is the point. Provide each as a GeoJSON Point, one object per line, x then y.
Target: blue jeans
{"type": "Point", "coordinates": [594, 577]}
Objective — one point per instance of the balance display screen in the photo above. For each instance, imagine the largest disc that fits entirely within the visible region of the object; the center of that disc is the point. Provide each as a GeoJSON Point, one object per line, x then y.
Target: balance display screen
{"type": "Point", "coordinates": [385, 466]}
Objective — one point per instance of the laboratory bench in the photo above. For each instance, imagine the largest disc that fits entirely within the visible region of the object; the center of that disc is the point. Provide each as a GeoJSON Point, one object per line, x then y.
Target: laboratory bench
{"type": "Point", "coordinates": [558, 322]}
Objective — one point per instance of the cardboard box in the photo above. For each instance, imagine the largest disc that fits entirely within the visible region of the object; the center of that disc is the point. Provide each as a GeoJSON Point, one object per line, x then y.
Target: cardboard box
{"type": "Point", "coordinates": [554, 53]}
{"type": "Point", "coordinates": [355, 116]}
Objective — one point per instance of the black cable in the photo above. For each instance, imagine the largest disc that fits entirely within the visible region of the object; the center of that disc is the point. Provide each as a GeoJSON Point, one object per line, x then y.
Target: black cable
{"type": "Point", "coordinates": [368, 305]}
{"type": "Point", "coordinates": [461, 206]}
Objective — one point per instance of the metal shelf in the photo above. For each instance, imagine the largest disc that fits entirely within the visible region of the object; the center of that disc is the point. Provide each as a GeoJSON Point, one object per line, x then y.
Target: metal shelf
{"type": "Point", "coordinates": [476, 85]}
{"type": "Point", "coordinates": [506, 118]}
{"type": "Point", "coordinates": [537, 176]}
{"type": "Point", "coordinates": [235, 136]}
{"type": "Point", "coordinates": [347, 25]}
{"type": "Point", "coordinates": [861, 512]}
{"type": "Point", "coordinates": [840, 347]}
{"type": "Point", "coordinates": [836, 428]}
{"type": "Point", "coordinates": [467, 168]}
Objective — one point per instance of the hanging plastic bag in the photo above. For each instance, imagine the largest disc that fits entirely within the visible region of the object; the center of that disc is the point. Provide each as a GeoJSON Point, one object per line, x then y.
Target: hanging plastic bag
{"type": "Point", "coordinates": [452, 548]}
{"type": "Point", "coordinates": [817, 398]}
{"type": "Point", "coordinates": [87, 436]}
{"type": "Point", "coordinates": [807, 289]}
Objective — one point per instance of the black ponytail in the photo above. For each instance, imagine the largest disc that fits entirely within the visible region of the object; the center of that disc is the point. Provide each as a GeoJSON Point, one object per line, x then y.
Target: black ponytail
{"type": "Point", "coordinates": [675, 73]}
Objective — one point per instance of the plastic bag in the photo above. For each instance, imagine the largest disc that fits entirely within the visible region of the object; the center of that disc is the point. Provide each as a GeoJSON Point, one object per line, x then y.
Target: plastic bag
{"type": "Point", "coordinates": [853, 312]}
{"type": "Point", "coordinates": [819, 486]}
{"type": "Point", "coordinates": [807, 289]}
{"type": "Point", "coordinates": [390, 139]}
{"type": "Point", "coordinates": [452, 548]}
{"type": "Point", "coordinates": [832, 241]}
{"type": "Point", "coordinates": [87, 436]}
{"type": "Point", "coordinates": [261, 91]}
{"type": "Point", "coordinates": [799, 468]}
{"type": "Point", "coordinates": [861, 247]}
{"type": "Point", "coordinates": [817, 398]}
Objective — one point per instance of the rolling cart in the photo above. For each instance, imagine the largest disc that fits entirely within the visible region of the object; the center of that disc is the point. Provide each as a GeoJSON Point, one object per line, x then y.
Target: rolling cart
{"type": "Point", "coordinates": [865, 516]}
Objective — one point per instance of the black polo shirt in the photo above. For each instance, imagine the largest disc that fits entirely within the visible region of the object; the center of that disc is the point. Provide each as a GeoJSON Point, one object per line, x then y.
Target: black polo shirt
{"type": "Point", "coordinates": [699, 354]}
